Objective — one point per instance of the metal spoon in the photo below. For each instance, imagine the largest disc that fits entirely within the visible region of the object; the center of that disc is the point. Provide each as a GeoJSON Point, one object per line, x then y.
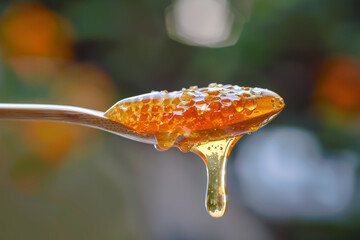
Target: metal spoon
{"type": "Point", "coordinates": [70, 114]}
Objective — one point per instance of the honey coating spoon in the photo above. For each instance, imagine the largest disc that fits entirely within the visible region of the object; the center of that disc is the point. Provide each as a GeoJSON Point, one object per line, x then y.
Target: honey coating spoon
{"type": "Point", "coordinates": [207, 121]}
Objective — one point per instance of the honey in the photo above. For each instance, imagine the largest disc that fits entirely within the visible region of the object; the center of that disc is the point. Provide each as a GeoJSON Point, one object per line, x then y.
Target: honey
{"type": "Point", "coordinates": [207, 121]}
{"type": "Point", "coordinates": [215, 155]}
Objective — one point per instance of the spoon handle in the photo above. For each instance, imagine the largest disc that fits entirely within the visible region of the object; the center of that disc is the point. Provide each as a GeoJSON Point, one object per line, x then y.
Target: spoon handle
{"type": "Point", "coordinates": [70, 114]}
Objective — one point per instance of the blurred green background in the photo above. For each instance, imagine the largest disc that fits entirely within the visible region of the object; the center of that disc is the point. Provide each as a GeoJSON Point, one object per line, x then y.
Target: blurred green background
{"type": "Point", "coordinates": [295, 179]}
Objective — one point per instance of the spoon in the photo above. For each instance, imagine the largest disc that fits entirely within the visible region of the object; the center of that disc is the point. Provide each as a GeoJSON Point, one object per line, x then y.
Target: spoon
{"type": "Point", "coordinates": [70, 114]}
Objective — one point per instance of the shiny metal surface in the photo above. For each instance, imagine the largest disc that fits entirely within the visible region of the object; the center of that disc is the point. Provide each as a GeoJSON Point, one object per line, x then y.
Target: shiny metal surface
{"type": "Point", "coordinates": [70, 114]}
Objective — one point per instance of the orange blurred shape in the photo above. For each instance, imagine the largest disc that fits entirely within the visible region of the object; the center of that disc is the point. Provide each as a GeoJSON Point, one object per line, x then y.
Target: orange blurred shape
{"type": "Point", "coordinates": [36, 70]}
{"type": "Point", "coordinates": [339, 84]}
{"type": "Point", "coordinates": [31, 29]}
{"type": "Point", "coordinates": [82, 85]}
{"type": "Point", "coordinates": [51, 141]}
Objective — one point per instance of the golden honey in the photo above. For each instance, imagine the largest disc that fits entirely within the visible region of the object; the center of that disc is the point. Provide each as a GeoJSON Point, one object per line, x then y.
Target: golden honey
{"type": "Point", "coordinates": [207, 121]}
{"type": "Point", "coordinates": [215, 154]}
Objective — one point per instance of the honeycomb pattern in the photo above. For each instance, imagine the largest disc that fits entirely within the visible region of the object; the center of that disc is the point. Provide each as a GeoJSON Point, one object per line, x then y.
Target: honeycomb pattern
{"type": "Point", "coordinates": [197, 110]}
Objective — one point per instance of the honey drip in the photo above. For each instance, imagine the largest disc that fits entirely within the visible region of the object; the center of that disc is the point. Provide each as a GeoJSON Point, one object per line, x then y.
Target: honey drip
{"type": "Point", "coordinates": [215, 155]}
{"type": "Point", "coordinates": [207, 121]}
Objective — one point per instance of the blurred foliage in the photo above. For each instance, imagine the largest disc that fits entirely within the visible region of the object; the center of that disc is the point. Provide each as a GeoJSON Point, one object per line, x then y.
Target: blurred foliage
{"type": "Point", "coordinates": [93, 53]}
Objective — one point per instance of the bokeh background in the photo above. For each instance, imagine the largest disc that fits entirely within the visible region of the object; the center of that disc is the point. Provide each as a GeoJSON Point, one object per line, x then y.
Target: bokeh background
{"type": "Point", "coordinates": [297, 178]}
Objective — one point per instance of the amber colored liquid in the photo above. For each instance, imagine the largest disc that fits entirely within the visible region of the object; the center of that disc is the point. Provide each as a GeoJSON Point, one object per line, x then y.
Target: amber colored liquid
{"type": "Point", "coordinates": [207, 121]}
{"type": "Point", "coordinates": [215, 155]}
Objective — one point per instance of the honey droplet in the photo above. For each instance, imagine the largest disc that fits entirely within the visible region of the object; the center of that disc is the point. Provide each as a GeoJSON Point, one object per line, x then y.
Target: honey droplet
{"type": "Point", "coordinates": [214, 92]}
{"type": "Point", "coordinates": [250, 106]}
{"type": "Point", "coordinates": [186, 96]}
{"type": "Point", "coordinates": [215, 159]}
{"type": "Point", "coordinates": [239, 108]}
